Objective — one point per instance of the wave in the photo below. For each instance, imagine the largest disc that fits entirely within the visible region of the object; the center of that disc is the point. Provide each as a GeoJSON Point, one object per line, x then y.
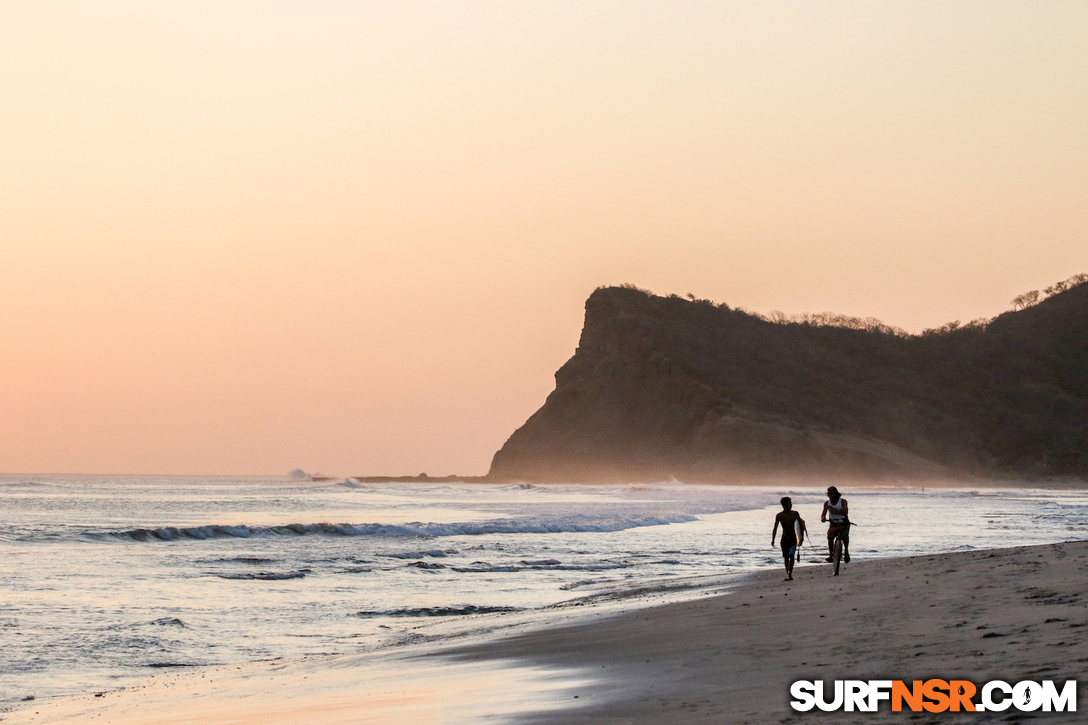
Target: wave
{"type": "Point", "coordinates": [427, 565]}
{"type": "Point", "coordinates": [254, 560]}
{"type": "Point", "coordinates": [535, 525]}
{"type": "Point", "coordinates": [583, 583]}
{"type": "Point", "coordinates": [266, 575]}
{"type": "Point", "coordinates": [27, 484]}
{"type": "Point", "coordinates": [483, 567]}
{"type": "Point", "coordinates": [440, 553]}
{"type": "Point", "coordinates": [168, 622]}
{"type": "Point", "coordinates": [452, 611]}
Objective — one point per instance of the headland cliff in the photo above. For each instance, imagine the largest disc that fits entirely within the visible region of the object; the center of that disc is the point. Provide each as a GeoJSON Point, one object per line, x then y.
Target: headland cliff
{"type": "Point", "coordinates": [666, 387]}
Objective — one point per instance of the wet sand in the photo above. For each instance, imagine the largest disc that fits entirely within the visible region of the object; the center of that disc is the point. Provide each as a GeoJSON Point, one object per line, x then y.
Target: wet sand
{"type": "Point", "coordinates": [345, 690]}
{"type": "Point", "coordinates": [1007, 614]}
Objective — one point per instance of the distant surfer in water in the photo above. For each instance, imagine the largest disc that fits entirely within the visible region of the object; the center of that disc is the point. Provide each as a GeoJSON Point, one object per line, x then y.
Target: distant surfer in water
{"type": "Point", "coordinates": [793, 533]}
{"type": "Point", "coordinates": [838, 514]}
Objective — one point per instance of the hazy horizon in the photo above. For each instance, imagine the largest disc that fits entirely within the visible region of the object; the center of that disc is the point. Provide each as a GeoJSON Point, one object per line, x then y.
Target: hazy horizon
{"type": "Point", "coordinates": [246, 237]}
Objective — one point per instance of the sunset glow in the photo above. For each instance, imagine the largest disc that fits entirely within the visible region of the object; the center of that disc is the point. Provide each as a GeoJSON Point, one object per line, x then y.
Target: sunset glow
{"type": "Point", "coordinates": [245, 237]}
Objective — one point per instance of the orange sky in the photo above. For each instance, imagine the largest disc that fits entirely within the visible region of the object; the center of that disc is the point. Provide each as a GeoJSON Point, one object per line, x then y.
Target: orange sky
{"type": "Point", "coordinates": [244, 237]}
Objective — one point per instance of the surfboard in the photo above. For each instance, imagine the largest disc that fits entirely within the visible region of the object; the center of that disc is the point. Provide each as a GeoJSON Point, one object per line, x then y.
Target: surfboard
{"type": "Point", "coordinates": [798, 532]}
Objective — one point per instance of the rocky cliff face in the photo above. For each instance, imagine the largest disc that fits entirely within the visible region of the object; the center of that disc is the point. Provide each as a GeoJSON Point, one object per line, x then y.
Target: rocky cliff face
{"type": "Point", "coordinates": [664, 387]}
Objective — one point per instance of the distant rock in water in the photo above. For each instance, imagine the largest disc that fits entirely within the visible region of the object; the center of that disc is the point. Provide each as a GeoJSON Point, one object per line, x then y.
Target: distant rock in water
{"type": "Point", "coordinates": [664, 387]}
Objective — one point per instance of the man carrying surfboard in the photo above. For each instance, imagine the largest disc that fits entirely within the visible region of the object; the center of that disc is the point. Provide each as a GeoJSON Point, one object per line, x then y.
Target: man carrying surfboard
{"type": "Point", "coordinates": [793, 533]}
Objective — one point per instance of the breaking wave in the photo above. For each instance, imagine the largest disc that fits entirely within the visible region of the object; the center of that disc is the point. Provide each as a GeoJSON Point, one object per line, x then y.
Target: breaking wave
{"type": "Point", "coordinates": [535, 525]}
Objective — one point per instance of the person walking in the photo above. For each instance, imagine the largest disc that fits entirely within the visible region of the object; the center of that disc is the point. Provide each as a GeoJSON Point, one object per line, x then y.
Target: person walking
{"type": "Point", "coordinates": [792, 527]}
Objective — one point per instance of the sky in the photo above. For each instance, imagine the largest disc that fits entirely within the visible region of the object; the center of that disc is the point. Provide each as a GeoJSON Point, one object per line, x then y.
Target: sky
{"type": "Point", "coordinates": [357, 237]}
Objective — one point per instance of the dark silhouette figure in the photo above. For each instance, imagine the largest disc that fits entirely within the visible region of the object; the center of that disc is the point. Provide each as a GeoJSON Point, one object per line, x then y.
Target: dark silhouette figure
{"type": "Point", "coordinates": [788, 518]}
{"type": "Point", "coordinates": [836, 511]}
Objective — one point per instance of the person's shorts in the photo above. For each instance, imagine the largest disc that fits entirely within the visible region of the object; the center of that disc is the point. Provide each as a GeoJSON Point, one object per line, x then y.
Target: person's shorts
{"type": "Point", "coordinates": [844, 528]}
{"type": "Point", "coordinates": [789, 544]}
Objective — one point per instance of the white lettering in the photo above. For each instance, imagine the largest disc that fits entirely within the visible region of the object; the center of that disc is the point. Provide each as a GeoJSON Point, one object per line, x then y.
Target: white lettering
{"type": "Point", "coordinates": [804, 693]}
{"type": "Point", "coordinates": [1066, 701]}
{"type": "Point", "coordinates": [995, 695]}
{"type": "Point", "coordinates": [834, 704]}
{"type": "Point", "coordinates": [857, 695]}
{"type": "Point", "coordinates": [1027, 696]}
{"type": "Point", "coordinates": [987, 699]}
{"type": "Point", "coordinates": [878, 690]}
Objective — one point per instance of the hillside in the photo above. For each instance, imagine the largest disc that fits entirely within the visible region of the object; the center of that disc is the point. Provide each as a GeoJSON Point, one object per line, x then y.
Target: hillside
{"type": "Point", "coordinates": [664, 387]}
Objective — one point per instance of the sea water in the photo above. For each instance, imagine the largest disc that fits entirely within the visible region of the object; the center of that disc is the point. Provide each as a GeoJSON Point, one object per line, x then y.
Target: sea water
{"type": "Point", "coordinates": [105, 580]}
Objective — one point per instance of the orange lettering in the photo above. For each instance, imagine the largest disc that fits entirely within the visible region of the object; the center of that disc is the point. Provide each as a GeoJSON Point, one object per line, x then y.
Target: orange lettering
{"type": "Point", "coordinates": [912, 696]}
{"type": "Point", "coordinates": [961, 692]}
{"type": "Point", "coordinates": [932, 690]}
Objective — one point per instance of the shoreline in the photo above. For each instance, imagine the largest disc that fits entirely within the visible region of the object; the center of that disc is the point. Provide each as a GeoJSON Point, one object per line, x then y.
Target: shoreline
{"type": "Point", "coordinates": [1006, 614]}
{"type": "Point", "coordinates": [951, 481]}
{"type": "Point", "coordinates": [1009, 614]}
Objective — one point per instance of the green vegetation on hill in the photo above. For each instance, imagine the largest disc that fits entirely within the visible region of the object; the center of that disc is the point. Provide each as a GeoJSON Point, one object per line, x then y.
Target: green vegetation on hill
{"type": "Point", "coordinates": [667, 387]}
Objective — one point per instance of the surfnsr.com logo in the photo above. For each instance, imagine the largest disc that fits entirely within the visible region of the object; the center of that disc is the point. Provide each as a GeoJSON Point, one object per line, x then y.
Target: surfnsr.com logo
{"type": "Point", "coordinates": [934, 696]}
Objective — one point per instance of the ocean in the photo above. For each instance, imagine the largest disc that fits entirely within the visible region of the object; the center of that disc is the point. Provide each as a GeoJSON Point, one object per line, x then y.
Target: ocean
{"type": "Point", "coordinates": [108, 579]}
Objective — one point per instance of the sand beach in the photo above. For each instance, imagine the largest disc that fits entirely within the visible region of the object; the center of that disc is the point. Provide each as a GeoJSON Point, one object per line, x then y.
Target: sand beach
{"type": "Point", "coordinates": [1009, 614]}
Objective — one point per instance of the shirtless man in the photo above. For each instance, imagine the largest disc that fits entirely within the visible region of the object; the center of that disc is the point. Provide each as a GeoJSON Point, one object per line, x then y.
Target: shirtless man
{"type": "Point", "coordinates": [787, 517]}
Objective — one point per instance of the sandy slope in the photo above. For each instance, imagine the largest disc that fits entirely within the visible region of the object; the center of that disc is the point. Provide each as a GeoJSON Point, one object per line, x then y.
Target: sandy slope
{"type": "Point", "coordinates": [1008, 614]}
